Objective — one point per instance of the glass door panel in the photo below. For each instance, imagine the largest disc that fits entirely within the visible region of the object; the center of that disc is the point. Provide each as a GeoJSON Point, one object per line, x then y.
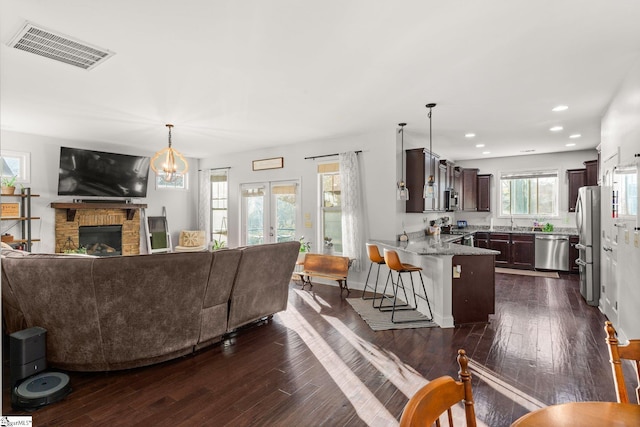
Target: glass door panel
{"type": "Point", "coordinates": [270, 212]}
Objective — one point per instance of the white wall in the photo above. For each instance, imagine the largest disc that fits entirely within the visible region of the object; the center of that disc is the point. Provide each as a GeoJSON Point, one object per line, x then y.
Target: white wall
{"type": "Point", "coordinates": [45, 156]}
{"type": "Point", "coordinates": [621, 133]}
{"type": "Point", "coordinates": [558, 161]}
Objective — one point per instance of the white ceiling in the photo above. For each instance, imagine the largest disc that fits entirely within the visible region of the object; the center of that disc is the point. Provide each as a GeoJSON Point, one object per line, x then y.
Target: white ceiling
{"type": "Point", "coordinates": [242, 75]}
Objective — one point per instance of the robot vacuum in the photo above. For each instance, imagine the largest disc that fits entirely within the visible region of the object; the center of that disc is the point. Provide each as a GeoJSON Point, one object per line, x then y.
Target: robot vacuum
{"type": "Point", "coordinates": [40, 390]}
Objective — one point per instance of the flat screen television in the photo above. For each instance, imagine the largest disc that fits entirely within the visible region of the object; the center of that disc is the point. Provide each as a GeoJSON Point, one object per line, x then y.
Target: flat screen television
{"type": "Point", "coordinates": [100, 174]}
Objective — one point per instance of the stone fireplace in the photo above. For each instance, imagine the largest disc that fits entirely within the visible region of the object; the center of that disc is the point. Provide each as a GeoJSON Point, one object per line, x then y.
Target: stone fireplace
{"type": "Point", "coordinates": [70, 217]}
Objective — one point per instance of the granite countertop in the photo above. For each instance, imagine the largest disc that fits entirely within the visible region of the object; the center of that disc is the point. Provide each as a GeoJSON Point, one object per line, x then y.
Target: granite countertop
{"type": "Point", "coordinates": [561, 231]}
{"type": "Point", "coordinates": [431, 245]}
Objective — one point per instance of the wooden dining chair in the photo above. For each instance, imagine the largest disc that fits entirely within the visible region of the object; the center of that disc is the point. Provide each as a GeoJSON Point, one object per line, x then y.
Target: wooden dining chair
{"type": "Point", "coordinates": [439, 396]}
{"type": "Point", "coordinates": [629, 351]}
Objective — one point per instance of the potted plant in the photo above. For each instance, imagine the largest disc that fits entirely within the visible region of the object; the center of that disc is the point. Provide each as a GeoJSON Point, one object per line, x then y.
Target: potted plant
{"type": "Point", "coordinates": [9, 184]}
{"type": "Point", "coordinates": [217, 245]}
{"type": "Point", "coordinates": [304, 248]}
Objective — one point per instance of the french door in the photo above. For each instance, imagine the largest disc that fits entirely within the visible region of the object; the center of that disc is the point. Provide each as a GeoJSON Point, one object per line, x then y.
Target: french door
{"type": "Point", "coordinates": [270, 212]}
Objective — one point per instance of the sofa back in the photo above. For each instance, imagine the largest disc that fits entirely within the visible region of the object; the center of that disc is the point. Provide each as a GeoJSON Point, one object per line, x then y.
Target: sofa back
{"type": "Point", "coordinates": [107, 313]}
{"type": "Point", "coordinates": [56, 292]}
{"type": "Point", "coordinates": [261, 287]}
{"type": "Point", "coordinates": [149, 306]}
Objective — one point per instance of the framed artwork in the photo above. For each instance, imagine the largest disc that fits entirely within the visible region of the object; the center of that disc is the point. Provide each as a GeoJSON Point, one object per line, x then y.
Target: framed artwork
{"type": "Point", "coordinates": [16, 163]}
{"type": "Point", "coordinates": [274, 163]}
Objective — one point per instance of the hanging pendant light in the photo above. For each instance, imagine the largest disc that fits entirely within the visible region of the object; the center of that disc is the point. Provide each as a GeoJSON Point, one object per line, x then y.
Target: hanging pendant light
{"type": "Point", "coordinates": [169, 163]}
{"type": "Point", "coordinates": [430, 187]}
{"type": "Point", "coordinates": [402, 191]}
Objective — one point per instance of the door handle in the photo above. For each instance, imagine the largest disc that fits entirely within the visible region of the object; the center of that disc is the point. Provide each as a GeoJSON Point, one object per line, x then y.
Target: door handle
{"type": "Point", "coordinates": [606, 249]}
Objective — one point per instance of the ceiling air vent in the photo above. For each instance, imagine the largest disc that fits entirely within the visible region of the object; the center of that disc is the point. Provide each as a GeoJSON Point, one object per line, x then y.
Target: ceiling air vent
{"type": "Point", "coordinates": [41, 41]}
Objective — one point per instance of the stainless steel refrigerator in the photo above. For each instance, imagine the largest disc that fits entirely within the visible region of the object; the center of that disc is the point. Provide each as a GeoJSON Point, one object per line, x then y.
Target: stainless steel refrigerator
{"type": "Point", "coordinates": [588, 223]}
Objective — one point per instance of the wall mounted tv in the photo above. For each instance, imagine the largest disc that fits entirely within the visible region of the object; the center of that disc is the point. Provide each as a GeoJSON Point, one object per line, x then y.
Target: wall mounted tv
{"type": "Point", "coordinates": [100, 174]}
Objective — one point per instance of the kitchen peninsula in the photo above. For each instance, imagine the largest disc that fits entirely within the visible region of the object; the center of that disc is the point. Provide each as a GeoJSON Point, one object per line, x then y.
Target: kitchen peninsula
{"type": "Point", "coordinates": [460, 279]}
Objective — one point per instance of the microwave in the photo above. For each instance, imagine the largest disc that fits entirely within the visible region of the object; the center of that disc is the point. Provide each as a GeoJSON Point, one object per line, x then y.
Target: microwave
{"type": "Point", "coordinates": [451, 200]}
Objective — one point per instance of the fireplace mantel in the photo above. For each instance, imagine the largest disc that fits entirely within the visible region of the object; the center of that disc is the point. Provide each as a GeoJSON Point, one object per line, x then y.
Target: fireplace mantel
{"type": "Point", "coordinates": [71, 208]}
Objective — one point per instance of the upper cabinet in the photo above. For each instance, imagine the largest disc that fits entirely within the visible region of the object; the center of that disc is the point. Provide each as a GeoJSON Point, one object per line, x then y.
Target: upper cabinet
{"type": "Point", "coordinates": [577, 178]}
{"type": "Point", "coordinates": [469, 193]}
{"type": "Point", "coordinates": [484, 193]}
{"type": "Point", "coordinates": [416, 177]}
{"type": "Point", "coordinates": [591, 171]}
{"type": "Point", "coordinates": [473, 190]}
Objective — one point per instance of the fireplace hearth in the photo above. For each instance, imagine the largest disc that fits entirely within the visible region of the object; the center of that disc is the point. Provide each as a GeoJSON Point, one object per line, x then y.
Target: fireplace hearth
{"type": "Point", "coordinates": [101, 240]}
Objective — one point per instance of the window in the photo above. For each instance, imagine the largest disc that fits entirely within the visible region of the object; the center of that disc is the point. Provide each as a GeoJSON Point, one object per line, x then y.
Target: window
{"type": "Point", "coordinates": [330, 207]}
{"type": "Point", "coordinates": [181, 182]}
{"type": "Point", "coordinates": [625, 190]}
{"type": "Point", "coordinates": [219, 199]}
{"type": "Point", "coordinates": [529, 193]}
{"type": "Point", "coordinates": [16, 164]}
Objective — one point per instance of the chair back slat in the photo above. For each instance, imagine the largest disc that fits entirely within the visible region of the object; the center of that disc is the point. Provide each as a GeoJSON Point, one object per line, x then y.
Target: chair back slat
{"type": "Point", "coordinates": [437, 397]}
{"type": "Point", "coordinates": [617, 352]}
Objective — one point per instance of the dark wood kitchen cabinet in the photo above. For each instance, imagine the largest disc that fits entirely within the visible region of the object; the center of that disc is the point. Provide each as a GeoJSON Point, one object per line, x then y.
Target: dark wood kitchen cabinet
{"type": "Point", "coordinates": [484, 193]}
{"type": "Point", "coordinates": [482, 240]}
{"type": "Point", "coordinates": [501, 242]}
{"type": "Point", "coordinates": [577, 178]}
{"type": "Point", "coordinates": [591, 172]}
{"type": "Point", "coordinates": [517, 250]}
{"type": "Point", "coordinates": [473, 289]}
{"type": "Point", "coordinates": [415, 179]}
{"type": "Point", "coordinates": [574, 253]}
{"type": "Point", "coordinates": [469, 194]}
{"type": "Point", "coordinates": [523, 251]}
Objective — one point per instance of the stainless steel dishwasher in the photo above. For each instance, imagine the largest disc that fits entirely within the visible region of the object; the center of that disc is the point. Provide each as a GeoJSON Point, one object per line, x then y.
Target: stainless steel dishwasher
{"type": "Point", "coordinates": [552, 252]}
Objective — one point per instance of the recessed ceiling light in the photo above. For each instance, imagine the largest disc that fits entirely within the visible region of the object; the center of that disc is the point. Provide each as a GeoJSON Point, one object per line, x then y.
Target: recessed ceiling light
{"type": "Point", "coordinates": [559, 108]}
{"type": "Point", "coordinates": [571, 144]}
{"type": "Point", "coordinates": [575, 135]}
{"type": "Point", "coordinates": [479, 145]}
{"type": "Point", "coordinates": [556, 128]}
{"type": "Point", "coordinates": [469, 135]}
{"type": "Point", "coordinates": [486, 152]}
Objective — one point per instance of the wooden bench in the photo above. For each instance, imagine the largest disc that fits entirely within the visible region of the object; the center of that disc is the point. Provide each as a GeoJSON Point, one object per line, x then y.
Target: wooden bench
{"type": "Point", "coordinates": [326, 267]}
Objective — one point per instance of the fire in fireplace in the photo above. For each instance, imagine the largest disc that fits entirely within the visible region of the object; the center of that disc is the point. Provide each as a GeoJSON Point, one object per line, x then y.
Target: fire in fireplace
{"type": "Point", "coordinates": [101, 240]}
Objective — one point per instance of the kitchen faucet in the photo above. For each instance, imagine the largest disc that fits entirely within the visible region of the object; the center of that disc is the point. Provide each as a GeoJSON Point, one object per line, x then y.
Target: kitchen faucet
{"type": "Point", "coordinates": [513, 225]}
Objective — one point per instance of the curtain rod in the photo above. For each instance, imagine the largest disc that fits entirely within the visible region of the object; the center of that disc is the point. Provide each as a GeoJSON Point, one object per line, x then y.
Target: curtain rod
{"type": "Point", "coordinates": [327, 155]}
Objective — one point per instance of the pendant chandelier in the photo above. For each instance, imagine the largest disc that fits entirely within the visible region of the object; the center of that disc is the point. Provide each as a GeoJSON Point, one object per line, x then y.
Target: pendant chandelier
{"type": "Point", "coordinates": [169, 163]}
{"type": "Point", "coordinates": [402, 191]}
{"type": "Point", "coordinates": [430, 187]}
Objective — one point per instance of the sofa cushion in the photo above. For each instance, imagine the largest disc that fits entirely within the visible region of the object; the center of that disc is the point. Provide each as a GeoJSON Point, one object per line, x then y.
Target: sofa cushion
{"type": "Point", "coordinates": [262, 283]}
{"type": "Point", "coordinates": [57, 293]}
{"type": "Point", "coordinates": [149, 305]}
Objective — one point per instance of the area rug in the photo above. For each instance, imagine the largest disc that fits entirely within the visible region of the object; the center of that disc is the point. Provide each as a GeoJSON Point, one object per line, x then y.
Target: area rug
{"type": "Point", "coordinates": [381, 321]}
{"type": "Point", "coordinates": [549, 274]}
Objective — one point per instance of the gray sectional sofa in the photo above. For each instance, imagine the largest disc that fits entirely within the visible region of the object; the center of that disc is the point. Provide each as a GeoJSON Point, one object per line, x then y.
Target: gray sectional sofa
{"type": "Point", "coordinates": [128, 311]}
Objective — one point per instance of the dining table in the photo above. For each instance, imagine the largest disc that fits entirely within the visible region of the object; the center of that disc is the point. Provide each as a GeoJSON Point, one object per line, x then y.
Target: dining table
{"type": "Point", "coordinates": [583, 414]}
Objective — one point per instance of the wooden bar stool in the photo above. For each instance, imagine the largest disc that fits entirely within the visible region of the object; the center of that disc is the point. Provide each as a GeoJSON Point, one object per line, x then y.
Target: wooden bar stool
{"type": "Point", "coordinates": [377, 259]}
{"type": "Point", "coordinates": [393, 262]}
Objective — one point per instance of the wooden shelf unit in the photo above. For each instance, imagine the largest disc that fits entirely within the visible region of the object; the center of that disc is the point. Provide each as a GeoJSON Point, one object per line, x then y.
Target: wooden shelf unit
{"type": "Point", "coordinates": [25, 219]}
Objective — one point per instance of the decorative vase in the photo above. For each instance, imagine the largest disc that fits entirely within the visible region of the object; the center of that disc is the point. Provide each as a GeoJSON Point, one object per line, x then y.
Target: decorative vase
{"type": "Point", "coordinates": [8, 191]}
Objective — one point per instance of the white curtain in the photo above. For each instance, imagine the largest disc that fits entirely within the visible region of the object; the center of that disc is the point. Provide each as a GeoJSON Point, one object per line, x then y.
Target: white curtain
{"type": "Point", "coordinates": [204, 204]}
{"type": "Point", "coordinates": [352, 210]}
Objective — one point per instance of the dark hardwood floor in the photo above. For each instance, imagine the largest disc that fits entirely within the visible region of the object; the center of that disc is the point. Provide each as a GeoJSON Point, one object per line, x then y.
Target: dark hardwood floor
{"type": "Point", "coordinates": [318, 363]}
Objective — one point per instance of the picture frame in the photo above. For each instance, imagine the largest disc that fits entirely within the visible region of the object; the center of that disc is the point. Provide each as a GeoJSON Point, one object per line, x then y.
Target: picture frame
{"type": "Point", "coordinates": [273, 163]}
{"type": "Point", "coordinates": [10, 210]}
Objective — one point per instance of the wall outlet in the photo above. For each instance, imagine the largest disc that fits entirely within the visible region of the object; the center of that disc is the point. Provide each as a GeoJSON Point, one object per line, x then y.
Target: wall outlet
{"type": "Point", "coordinates": [456, 271]}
